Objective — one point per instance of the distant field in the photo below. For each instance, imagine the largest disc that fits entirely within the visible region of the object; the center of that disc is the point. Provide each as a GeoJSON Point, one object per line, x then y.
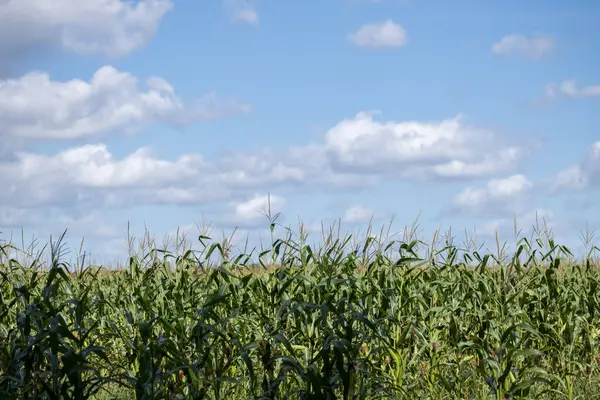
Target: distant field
{"type": "Point", "coordinates": [371, 320]}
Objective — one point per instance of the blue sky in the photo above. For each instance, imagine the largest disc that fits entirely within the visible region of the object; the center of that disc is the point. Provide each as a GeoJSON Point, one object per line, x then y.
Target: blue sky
{"type": "Point", "coordinates": [160, 112]}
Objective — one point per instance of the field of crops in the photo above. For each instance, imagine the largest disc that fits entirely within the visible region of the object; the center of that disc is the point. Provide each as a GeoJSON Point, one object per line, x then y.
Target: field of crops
{"type": "Point", "coordinates": [374, 319]}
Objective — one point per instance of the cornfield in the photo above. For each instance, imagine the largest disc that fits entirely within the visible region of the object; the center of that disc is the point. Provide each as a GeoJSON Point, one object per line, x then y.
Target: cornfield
{"type": "Point", "coordinates": [368, 319]}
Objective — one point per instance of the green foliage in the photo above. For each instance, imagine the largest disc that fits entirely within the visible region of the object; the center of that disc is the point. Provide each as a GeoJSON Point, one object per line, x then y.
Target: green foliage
{"type": "Point", "coordinates": [373, 320]}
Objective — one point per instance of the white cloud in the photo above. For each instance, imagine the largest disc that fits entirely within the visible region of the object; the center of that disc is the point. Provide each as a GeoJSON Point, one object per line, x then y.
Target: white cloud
{"type": "Point", "coordinates": [35, 107]}
{"type": "Point", "coordinates": [518, 44]}
{"type": "Point", "coordinates": [360, 151]}
{"type": "Point", "coordinates": [569, 89]}
{"type": "Point", "coordinates": [583, 175]}
{"type": "Point", "coordinates": [379, 34]}
{"type": "Point", "coordinates": [356, 153]}
{"type": "Point", "coordinates": [257, 207]}
{"type": "Point", "coordinates": [53, 221]}
{"type": "Point", "coordinates": [294, 166]}
{"type": "Point", "coordinates": [13, 216]}
{"type": "Point", "coordinates": [573, 177]}
{"type": "Point", "coordinates": [82, 174]}
{"type": "Point", "coordinates": [91, 174]}
{"type": "Point", "coordinates": [500, 196]}
{"type": "Point", "coordinates": [97, 230]}
{"type": "Point", "coordinates": [357, 214]}
{"type": "Point", "coordinates": [525, 221]}
{"type": "Point", "coordinates": [91, 177]}
{"type": "Point", "coordinates": [241, 10]}
{"type": "Point", "coordinates": [110, 27]}
{"type": "Point", "coordinates": [509, 187]}
{"type": "Point", "coordinates": [417, 150]}
{"type": "Point", "coordinates": [93, 224]}
{"type": "Point", "coordinates": [94, 166]}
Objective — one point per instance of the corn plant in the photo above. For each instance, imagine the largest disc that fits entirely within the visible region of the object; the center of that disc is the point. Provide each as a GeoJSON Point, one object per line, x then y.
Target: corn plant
{"type": "Point", "coordinates": [345, 318]}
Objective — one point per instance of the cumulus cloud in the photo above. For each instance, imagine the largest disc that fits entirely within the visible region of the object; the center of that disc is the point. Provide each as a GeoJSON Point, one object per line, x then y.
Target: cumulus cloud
{"type": "Point", "coordinates": [16, 217]}
{"type": "Point", "coordinates": [75, 174]}
{"type": "Point", "coordinates": [534, 47]}
{"type": "Point", "coordinates": [417, 150]}
{"type": "Point", "coordinates": [379, 35]}
{"type": "Point", "coordinates": [583, 175]}
{"type": "Point", "coordinates": [110, 27]}
{"type": "Point", "coordinates": [525, 222]}
{"type": "Point", "coordinates": [35, 107]}
{"type": "Point", "coordinates": [357, 214]}
{"type": "Point", "coordinates": [53, 221]}
{"type": "Point", "coordinates": [499, 196]}
{"type": "Point", "coordinates": [92, 175]}
{"type": "Point", "coordinates": [535, 223]}
{"type": "Point", "coordinates": [356, 153]}
{"type": "Point", "coordinates": [250, 212]}
{"type": "Point", "coordinates": [570, 89]}
{"type": "Point", "coordinates": [241, 10]}
{"type": "Point", "coordinates": [257, 206]}
{"type": "Point", "coordinates": [96, 230]}
{"type": "Point", "coordinates": [306, 166]}
{"type": "Point", "coordinates": [361, 151]}
{"type": "Point", "coordinates": [95, 166]}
